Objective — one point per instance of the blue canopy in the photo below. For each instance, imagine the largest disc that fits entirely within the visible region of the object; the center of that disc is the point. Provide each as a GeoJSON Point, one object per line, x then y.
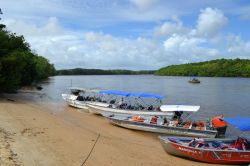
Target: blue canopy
{"type": "Point", "coordinates": [114, 92]}
{"type": "Point", "coordinates": [127, 94]}
{"type": "Point", "coordinates": [242, 123]}
{"type": "Point", "coordinates": [146, 95]}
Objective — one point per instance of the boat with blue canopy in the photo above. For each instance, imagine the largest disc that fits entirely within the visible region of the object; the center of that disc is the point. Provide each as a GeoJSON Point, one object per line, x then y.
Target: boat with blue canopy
{"type": "Point", "coordinates": [220, 151]}
{"type": "Point", "coordinates": [126, 103]}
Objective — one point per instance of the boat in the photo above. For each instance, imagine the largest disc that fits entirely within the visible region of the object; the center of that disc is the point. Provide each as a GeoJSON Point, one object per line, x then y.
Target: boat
{"type": "Point", "coordinates": [194, 81]}
{"type": "Point", "coordinates": [122, 107]}
{"type": "Point", "coordinates": [164, 125]}
{"type": "Point", "coordinates": [78, 98]}
{"type": "Point", "coordinates": [211, 150]}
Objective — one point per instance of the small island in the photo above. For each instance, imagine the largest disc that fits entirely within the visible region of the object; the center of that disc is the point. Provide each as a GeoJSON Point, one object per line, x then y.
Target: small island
{"type": "Point", "coordinates": [214, 68]}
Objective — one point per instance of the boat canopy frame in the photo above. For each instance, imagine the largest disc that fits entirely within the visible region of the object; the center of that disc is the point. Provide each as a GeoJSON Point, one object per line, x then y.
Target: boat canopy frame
{"type": "Point", "coordinates": [138, 96]}
{"type": "Point", "coordinates": [83, 89]}
{"type": "Point", "coordinates": [128, 94]}
{"type": "Point", "coordinates": [188, 109]}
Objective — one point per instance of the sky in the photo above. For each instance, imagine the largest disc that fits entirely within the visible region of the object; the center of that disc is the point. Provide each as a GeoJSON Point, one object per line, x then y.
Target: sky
{"type": "Point", "coordinates": [130, 34]}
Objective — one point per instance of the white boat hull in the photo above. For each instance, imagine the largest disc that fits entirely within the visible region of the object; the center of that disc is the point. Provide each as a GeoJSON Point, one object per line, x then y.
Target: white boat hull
{"type": "Point", "coordinates": [97, 109]}
{"type": "Point", "coordinates": [71, 101]}
{"type": "Point", "coordinates": [162, 129]}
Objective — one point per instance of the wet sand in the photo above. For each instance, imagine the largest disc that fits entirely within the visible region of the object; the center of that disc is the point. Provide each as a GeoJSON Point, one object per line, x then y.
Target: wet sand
{"type": "Point", "coordinates": [53, 134]}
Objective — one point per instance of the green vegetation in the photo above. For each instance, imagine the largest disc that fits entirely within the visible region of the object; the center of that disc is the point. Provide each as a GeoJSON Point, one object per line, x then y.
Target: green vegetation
{"type": "Point", "coordinates": [79, 71]}
{"type": "Point", "coordinates": [214, 68]}
{"type": "Point", "coordinates": [19, 66]}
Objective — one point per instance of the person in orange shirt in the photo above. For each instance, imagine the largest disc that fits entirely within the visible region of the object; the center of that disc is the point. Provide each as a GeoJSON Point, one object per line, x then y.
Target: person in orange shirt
{"type": "Point", "coordinates": [217, 122]}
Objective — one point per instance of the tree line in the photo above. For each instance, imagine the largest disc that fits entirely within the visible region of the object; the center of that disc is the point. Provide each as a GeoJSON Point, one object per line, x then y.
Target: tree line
{"type": "Point", "coordinates": [213, 68]}
{"type": "Point", "coordinates": [19, 66]}
{"type": "Point", "coordinates": [80, 71]}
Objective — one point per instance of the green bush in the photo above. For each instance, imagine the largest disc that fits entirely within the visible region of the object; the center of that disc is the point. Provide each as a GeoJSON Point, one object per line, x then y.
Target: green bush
{"type": "Point", "coordinates": [214, 68]}
{"type": "Point", "coordinates": [18, 65]}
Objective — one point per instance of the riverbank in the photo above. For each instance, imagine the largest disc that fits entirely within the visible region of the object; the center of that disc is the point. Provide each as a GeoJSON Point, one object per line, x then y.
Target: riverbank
{"type": "Point", "coordinates": [44, 133]}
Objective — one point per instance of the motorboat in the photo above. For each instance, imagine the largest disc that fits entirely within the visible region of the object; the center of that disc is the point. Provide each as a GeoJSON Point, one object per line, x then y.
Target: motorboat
{"type": "Point", "coordinates": [79, 97]}
{"type": "Point", "coordinates": [211, 150]}
{"type": "Point", "coordinates": [194, 81]}
{"type": "Point", "coordinates": [164, 125]}
{"type": "Point", "coordinates": [126, 103]}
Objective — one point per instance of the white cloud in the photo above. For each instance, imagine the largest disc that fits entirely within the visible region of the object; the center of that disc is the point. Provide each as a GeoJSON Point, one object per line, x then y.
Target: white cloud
{"type": "Point", "coordinates": [236, 47]}
{"type": "Point", "coordinates": [210, 22]}
{"type": "Point", "coordinates": [70, 48]}
{"type": "Point", "coordinates": [29, 29]}
{"type": "Point", "coordinates": [243, 12]}
{"type": "Point", "coordinates": [169, 28]}
{"type": "Point", "coordinates": [67, 49]}
{"type": "Point", "coordinates": [144, 4]}
{"type": "Point", "coordinates": [189, 48]}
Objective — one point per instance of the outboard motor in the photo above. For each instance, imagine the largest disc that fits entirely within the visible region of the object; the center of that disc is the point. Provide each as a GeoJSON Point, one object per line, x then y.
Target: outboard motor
{"type": "Point", "coordinates": [219, 125]}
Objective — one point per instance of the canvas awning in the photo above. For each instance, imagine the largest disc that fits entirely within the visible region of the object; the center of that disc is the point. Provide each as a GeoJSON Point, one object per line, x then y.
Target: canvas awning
{"type": "Point", "coordinates": [242, 123]}
{"type": "Point", "coordinates": [146, 95]}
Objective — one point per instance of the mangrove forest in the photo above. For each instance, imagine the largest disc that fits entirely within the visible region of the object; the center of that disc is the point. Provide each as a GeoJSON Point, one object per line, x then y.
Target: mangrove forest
{"type": "Point", "coordinates": [213, 68]}
{"type": "Point", "coordinates": [19, 66]}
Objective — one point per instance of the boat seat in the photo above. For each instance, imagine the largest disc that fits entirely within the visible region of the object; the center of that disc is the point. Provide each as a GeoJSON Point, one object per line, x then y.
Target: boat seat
{"type": "Point", "coordinates": [209, 145]}
{"type": "Point", "coordinates": [160, 122]}
{"type": "Point", "coordinates": [187, 125]}
{"type": "Point", "coordinates": [173, 123]}
{"type": "Point", "coordinates": [216, 144]}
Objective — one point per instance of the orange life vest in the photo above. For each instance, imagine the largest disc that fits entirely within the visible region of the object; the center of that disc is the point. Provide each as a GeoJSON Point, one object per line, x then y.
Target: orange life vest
{"type": "Point", "coordinates": [137, 119]}
{"type": "Point", "coordinates": [217, 122]}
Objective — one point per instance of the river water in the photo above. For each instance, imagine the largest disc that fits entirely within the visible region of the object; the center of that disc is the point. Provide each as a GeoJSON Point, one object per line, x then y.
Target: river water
{"type": "Point", "coordinates": [216, 96]}
{"type": "Point", "coordinates": [227, 96]}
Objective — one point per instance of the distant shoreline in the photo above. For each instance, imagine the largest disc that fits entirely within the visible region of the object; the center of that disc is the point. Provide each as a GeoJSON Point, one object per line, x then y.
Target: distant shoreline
{"type": "Point", "coordinates": [213, 68]}
{"type": "Point", "coordinates": [239, 68]}
{"type": "Point", "coordinates": [81, 71]}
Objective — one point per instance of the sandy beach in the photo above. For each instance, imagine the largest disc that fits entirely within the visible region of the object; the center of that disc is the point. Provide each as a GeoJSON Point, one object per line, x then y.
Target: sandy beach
{"type": "Point", "coordinates": [54, 134]}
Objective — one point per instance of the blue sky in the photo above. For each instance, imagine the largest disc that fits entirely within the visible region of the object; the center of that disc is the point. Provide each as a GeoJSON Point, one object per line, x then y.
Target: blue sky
{"type": "Point", "coordinates": [131, 34]}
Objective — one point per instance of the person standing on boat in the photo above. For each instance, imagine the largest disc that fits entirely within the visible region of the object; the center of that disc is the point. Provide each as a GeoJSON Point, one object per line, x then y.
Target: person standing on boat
{"type": "Point", "coordinates": [220, 125]}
